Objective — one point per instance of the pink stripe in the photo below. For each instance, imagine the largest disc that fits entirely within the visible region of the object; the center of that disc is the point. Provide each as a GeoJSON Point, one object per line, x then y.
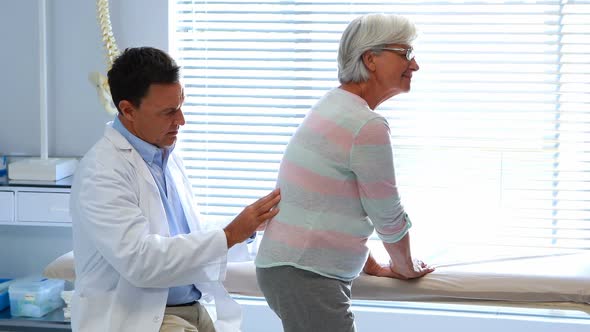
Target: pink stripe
{"type": "Point", "coordinates": [378, 190]}
{"type": "Point", "coordinates": [303, 238]}
{"type": "Point", "coordinates": [330, 130]}
{"type": "Point", "coordinates": [373, 133]}
{"type": "Point", "coordinates": [313, 182]}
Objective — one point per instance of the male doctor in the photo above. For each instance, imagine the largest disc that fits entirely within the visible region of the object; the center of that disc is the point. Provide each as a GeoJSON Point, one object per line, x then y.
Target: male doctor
{"type": "Point", "coordinates": [143, 259]}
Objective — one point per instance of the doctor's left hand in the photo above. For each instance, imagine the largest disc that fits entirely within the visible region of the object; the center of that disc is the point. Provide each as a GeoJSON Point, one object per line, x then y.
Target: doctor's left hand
{"type": "Point", "coordinates": [251, 217]}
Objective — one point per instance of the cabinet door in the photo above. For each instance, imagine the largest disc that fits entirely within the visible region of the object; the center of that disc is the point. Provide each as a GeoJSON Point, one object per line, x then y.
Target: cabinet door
{"type": "Point", "coordinates": [6, 206]}
{"type": "Point", "coordinates": [43, 207]}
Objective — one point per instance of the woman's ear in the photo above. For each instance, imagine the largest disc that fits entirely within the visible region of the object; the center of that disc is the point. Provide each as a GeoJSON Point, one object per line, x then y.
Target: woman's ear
{"type": "Point", "coordinates": [369, 60]}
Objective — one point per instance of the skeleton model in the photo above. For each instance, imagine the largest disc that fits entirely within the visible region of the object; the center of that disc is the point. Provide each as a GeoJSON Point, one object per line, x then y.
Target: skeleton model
{"type": "Point", "coordinates": [110, 45]}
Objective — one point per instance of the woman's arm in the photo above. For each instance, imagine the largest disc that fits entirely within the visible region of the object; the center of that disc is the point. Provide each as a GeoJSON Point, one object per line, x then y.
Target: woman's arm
{"type": "Point", "coordinates": [372, 163]}
{"type": "Point", "coordinates": [402, 265]}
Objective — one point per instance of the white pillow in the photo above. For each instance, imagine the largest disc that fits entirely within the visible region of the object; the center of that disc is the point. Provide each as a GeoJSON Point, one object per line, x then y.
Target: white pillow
{"type": "Point", "coordinates": [61, 268]}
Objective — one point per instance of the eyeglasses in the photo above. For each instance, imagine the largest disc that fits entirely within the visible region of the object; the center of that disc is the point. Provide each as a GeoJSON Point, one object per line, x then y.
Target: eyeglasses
{"type": "Point", "coordinates": [409, 51]}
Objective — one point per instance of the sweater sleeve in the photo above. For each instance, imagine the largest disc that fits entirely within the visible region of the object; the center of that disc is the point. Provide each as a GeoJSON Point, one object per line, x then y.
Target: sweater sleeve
{"type": "Point", "coordinates": [371, 160]}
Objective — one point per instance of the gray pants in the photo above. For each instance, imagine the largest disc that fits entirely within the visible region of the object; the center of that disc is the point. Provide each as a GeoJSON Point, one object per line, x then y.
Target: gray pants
{"type": "Point", "coordinates": [306, 301]}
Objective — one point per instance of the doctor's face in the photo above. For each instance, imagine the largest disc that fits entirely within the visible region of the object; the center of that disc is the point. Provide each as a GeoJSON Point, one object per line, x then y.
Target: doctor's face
{"type": "Point", "coordinates": [159, 116]}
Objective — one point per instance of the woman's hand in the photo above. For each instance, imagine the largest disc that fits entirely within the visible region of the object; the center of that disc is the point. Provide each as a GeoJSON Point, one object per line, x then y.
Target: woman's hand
{"type": "Point", "coordinates": [417, 270]}
{"type": "Point", "coordinates": [375, 269]}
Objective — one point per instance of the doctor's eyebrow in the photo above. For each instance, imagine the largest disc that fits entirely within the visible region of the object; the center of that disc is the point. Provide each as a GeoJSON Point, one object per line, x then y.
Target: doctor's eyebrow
{"type": "Point", "coordinates": [171, 109]}
{"type": "Point", "coordinates": [174, 109]}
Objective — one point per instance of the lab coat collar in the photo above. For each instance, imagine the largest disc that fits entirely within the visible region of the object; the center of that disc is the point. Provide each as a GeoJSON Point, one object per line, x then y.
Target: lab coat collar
{"type": "Point", "coordinates": [116, 138]}
{"type": "Point", "coordinates": [149, 152]}
{"type": "Point", "coordinates": [129, 153]}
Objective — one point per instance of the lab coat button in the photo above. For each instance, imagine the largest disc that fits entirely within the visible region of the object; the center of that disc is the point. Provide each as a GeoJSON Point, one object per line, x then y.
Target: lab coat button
{"type": "Point", "coordinates": [156, 319]}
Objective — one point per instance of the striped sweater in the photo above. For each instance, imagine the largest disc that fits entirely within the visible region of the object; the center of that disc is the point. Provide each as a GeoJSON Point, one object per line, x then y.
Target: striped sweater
{"type": "Point", "coordinates": [337, 185]}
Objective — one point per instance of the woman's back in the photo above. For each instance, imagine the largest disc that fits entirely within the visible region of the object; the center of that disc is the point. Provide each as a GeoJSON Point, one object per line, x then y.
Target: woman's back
{"type": "Point", "coordinates": [327, 181]}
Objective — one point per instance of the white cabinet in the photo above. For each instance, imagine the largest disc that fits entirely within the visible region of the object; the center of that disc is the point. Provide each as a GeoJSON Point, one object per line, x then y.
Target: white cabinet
{"type": "Point", "coordinates": [43, 206]}
{"type": "Point", "coordinates": [21, 205]}
{"type": "Point", "coordinates": [6, 206]}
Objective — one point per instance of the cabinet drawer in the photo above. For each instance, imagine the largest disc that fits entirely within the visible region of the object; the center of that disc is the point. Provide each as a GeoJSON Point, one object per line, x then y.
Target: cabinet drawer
{"type": "Point", "coordinates": [6, 206]}
{"type": "Point", "coordinates": [43, 207]}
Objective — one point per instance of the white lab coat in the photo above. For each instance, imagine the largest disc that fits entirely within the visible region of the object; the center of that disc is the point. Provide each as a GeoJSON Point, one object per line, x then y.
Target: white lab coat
{"type": "Point", "coordinates": [124, 258]}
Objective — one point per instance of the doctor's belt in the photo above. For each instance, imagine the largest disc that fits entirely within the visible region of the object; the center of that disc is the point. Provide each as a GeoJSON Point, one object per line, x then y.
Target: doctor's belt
{"type": "Point", "coordinates": [182, 304]}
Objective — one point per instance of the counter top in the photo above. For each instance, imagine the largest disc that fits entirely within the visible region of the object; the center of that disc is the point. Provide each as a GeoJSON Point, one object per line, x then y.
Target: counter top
{"type": "Point", "coordinates": [53, 321]}
{"type": "Point", "coordinates": [63, 183]}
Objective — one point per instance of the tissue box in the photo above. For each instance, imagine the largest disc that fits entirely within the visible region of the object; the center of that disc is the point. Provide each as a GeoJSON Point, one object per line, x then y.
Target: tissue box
{"type": "Point", "coordinates": [35, 297]}
{"type": "Point", "coordinates": [4, 293]}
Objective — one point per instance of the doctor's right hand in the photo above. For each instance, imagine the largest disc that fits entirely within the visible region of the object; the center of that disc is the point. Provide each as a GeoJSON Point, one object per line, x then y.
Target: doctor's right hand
{"type": "Point", "coordinates": [251, 218]}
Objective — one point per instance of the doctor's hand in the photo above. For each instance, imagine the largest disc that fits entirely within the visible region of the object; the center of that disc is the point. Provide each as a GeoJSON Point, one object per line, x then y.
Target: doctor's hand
{"type": "Point", "coordinates": [252, 217]}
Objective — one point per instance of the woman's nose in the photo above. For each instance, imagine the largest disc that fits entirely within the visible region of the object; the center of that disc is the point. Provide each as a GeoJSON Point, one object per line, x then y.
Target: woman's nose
{"type": "Point", "coordinates": [414, 65]}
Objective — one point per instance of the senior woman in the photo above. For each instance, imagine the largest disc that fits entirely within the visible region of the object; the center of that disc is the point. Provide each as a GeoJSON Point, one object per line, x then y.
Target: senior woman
{"type": "Point", "coordinates": [338, 185]}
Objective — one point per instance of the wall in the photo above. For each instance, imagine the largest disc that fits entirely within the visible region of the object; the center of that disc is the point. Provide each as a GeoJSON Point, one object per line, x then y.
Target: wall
{"type": "Point", "coordinates": [77, 110]}
{"type": "Point", "coordinates": [76, 118]}
{"type": "Point", "coordinates": [26, 250]}
{"type": "Point", "coordinates": [19, 88]}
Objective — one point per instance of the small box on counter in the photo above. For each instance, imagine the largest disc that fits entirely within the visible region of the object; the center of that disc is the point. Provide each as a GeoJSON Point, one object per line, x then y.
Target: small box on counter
{"type": "Point", "coordinates": [35, 297]}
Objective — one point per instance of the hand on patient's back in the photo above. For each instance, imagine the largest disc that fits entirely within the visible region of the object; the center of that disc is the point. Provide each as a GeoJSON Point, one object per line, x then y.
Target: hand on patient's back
{"type": "Point", "coordinates": [252, 217]}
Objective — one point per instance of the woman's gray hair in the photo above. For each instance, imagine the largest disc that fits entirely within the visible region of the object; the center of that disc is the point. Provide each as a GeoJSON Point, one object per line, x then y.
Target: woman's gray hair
{"type": "Point", "coordinates": [369, 32]}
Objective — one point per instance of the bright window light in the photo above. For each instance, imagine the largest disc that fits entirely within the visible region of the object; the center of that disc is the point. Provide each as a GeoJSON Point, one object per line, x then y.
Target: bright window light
{"type": "Point", "coordinates": [491, 146]}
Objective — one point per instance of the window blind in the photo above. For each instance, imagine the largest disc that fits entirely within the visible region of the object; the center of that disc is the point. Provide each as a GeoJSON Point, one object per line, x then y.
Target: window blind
{"type": "Point", "coordinates": [490, 146]}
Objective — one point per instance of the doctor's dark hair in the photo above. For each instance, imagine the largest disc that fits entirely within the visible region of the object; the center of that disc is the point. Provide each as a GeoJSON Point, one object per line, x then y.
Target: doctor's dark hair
{"type": "Point", "coordinates": [135, 69]}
